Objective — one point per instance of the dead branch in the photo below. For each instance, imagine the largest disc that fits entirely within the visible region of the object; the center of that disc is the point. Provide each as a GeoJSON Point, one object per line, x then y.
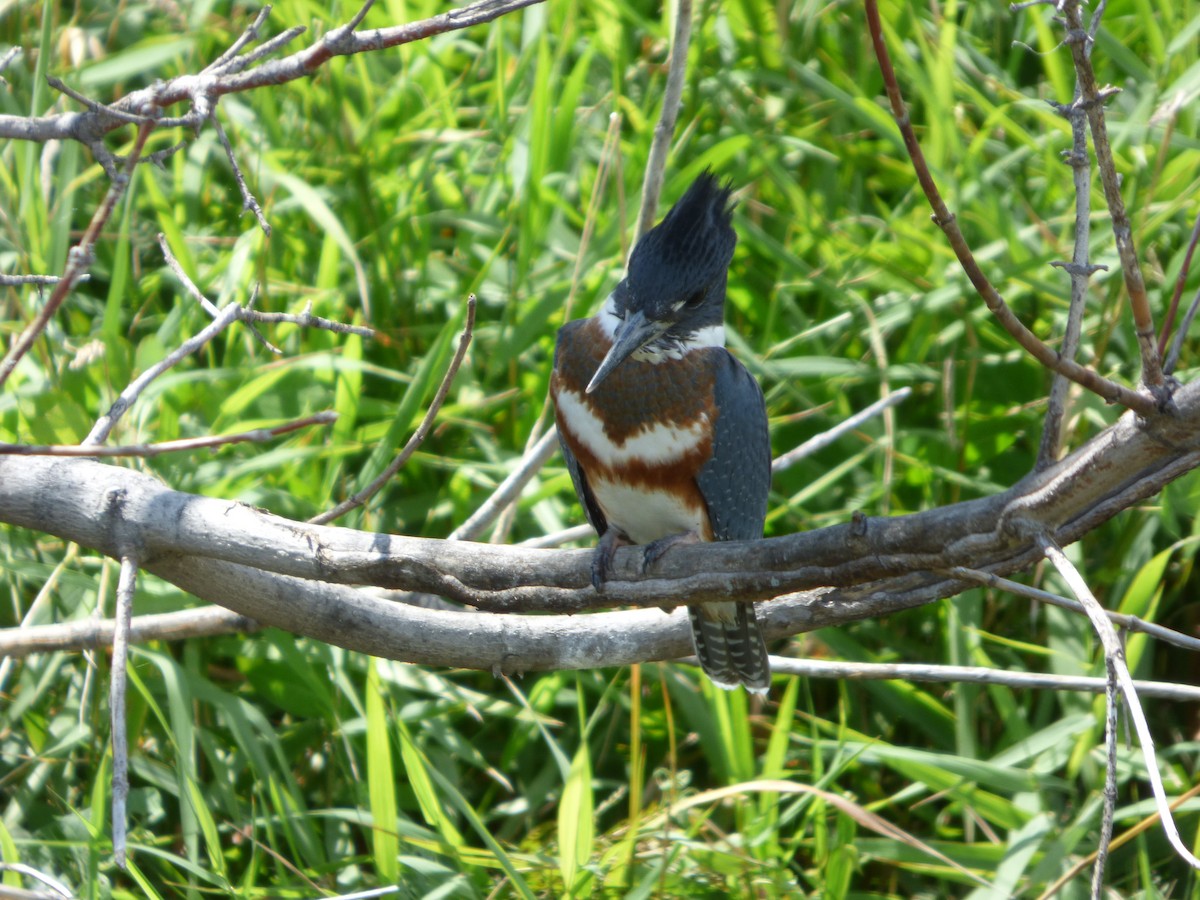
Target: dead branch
{"type": "Point", "coordinates": [1114, 657]}
{"type": "Point", "coordinates": [880, 564]}
{"type": "Point", "coordinates": [257, 435]}
{"type": "Point", "coordinates": [1092, 98]}
{"type": "Point", "coordinates": [665, 129]}
{"type": "Point", "coordinates": [79, 260]}
{"type": "Point", "coordinates": [418, 437]}
{"type": "Point", "coordinates": [1109, 390]}
{"type": "Point", "coordinates": [233, 73]}
{"type": "Point", "coordinates": [1080, 271]}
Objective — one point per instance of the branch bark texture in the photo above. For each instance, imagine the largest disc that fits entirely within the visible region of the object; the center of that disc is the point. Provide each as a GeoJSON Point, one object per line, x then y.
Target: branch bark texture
{"type": "Point", "coordinates": [299, 576]}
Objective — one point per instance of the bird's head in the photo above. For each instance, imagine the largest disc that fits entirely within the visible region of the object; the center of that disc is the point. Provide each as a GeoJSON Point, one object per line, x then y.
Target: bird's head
{"type": "Point", "coordinates": [673, 296]}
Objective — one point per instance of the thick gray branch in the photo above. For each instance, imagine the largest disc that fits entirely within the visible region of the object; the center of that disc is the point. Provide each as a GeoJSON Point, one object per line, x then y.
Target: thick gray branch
{"type": "Point", "coordinates": [287, 573]}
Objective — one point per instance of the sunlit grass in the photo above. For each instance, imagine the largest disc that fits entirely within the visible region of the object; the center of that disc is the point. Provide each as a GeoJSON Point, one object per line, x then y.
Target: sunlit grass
{"type": "Point", "coordinates": [397, 183]}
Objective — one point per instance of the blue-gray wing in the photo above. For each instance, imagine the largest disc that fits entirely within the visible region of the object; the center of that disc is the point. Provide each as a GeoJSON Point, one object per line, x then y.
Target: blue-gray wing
{"type": "Point", "coordinates": [590, 507]}
{"type": "Point", "coordinates": [735, 482]}
{"type": "Point", "coordinates": [565, 365]}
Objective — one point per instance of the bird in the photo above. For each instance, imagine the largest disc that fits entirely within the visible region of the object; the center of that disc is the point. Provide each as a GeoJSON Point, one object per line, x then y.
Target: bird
{"type": "Point", "coordinates": [663, 430]}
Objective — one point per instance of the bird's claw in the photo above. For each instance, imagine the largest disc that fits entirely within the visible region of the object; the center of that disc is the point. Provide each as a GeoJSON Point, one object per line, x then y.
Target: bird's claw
{"type": "Point", "coordinates": [656, 550]}
{"type": "Point", "coordinates": [602, 559]}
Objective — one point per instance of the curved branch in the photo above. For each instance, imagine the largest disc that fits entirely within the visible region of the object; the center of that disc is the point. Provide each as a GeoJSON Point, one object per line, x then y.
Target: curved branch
{"type": "Point", "coordinates": [287, 573]}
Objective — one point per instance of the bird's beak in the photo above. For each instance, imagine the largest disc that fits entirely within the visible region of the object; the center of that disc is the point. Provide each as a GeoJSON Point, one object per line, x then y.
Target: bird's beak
{"type": "Point", "coordinates": [635, 331]}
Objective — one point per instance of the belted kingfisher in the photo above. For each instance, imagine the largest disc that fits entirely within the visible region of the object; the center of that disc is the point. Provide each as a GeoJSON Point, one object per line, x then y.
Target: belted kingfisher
{"type": "Point", "coordinates": [664, 432]}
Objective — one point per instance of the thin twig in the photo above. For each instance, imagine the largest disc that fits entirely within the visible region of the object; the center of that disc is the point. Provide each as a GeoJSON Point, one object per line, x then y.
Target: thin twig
{"type": "Point", "coordinates": [1126, 836]}
{"type": "Point", "coordinates": [79, 260]}
{"type": "Point", "coordinates": [44, 594]}
{"type": "Point", "coordinates": [1184, 327]}
{"type": "Point", "coordinates": [257, 435]}
{"type": "Point", "coordinates": [821, 441]}
{"type": "Point", "coordinates": [248, 200]}
{"type": "Point", "coordinates": [92, 634]}
{"type": "Point", "coordinates": [1091, 98]}
{"type": "Point", "coordinates": [1115, 654]}
{"type": "Point", "coordinates": [1169, 320]}
{"type": "Point", "coordinates": [418, 436]}
{"type": "Point", "coordinates": [207, 305]}
{"type": "Point", "coordinates": [116, 703]}
{"type": "Point", "coordinates": [59, 889]}
{"type": "Point", "coordinates": [305, 320]}
{"type": "Point", "coordinates": [62, 87]}
{"type": "Point", "coordinates": [265, 49]}
{"type": "Point", "coordinates": [105, 424]}
{"type": "Point", "coordinates": [1127, 623]}
{"type": "Point", "coordinates": [357, 20]}
{"type": "Point", "coordinates": [209, 621]}
{"type": "Point", "coordinates": [1109, 390]}
{"type": "Point", "coordinates": [1111, 706]}
{"type": "Point", "coordinates": [938, 674]}
{"type": "Point", "coordinates": [611, 146]}
{"type": "Point", "coordinates": [665, 129]}
{"type": "Point", "coordinates": [184, 279]}
{"type": "Point", "coordinates": [250, 317]}
{"type": "Point", "coordinates": [6, 60]}
{"type": "Point", "coordinates": [509, 489]}
{"type": "Point", "coordinates": [39, 280]}
{"type": "Point", "coordinates": [202, 89]}
{"type": "Point", "coordinates": [558, 538]}
{"type": "Point", "coordinates": [1080, 270]}
{"type": "Point", "coordinates": [246, 37]}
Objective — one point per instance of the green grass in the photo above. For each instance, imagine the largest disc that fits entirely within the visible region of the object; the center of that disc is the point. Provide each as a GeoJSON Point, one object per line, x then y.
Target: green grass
{"type": "Point", "coordinates": [399, 182]}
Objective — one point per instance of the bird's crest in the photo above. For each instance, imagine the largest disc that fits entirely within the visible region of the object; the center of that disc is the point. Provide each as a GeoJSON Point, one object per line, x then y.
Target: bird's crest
{"type": "Point", "coordinates": [691, 247]}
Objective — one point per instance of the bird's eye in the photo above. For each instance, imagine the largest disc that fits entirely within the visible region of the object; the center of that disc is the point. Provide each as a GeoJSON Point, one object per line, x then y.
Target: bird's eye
{"type": "Point", "coordinates": [694, 300]}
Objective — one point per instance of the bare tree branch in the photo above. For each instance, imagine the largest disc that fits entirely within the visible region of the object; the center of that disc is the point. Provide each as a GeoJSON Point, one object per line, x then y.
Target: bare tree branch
{"type": "Point", "coordinates": [92, 634]}
{"type": "Point", "coordinates": [1114, 656]}
{"type": "Point", "coordinates": [248, 199]}
{"type": "Point", "coordinates": [509, 489]}
{"type": "Point", "coordinates": [1169, 320]}
{"type": "Point", "coordinates": [1127, 623]}
{"type": "Point", "coordinates": [232, 76]}
{"type": "Point", "coordinates": [938, 674]}
{"type": "Point", "coordinates": [1184, 326]}
{"type": "Point", "coordinates": [116, 703]}
{"type": "Point", "coordinates": [249, 316]}
{"type": "Point", "coordinates": [418, 437]}
{"type": "Point", "coordinates": [665, 129]}
{"type": "Point", "coordinates": [821, 441]}
{"type": "Point", "coordinates": [257, 435]}
{"type": "Point", "coordinates": [79, 260]}
{"type": "Point", "coordinates": [1127, 836]}
{"type": "Point", "coordinates": [1080, 270]}
{"type": "Point", "coordinates": [105, 424]}
{"type": "Point", "coordinates": [879, 565]}
{"type": "Point", "coordinates": [1092, 99]}
{"type": "Point", "coordinates": [39, 280]}
{"type": "Point", "coordinates": [1109, 390]}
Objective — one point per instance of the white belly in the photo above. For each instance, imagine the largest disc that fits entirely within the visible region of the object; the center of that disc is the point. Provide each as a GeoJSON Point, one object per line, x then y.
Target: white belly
{"type": "Point", "coordinates": [644, 516]}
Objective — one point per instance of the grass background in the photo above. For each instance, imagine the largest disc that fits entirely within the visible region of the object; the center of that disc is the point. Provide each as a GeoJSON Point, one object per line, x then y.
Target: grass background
{"type": "Point", "coordinates": [398, 182]}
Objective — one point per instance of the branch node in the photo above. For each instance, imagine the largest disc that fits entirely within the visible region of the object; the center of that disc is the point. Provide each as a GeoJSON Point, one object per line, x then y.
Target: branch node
{"type": "Point", "coordinates": [1079, 269]}
{"type": "Point", "coordinates": [858, 524]}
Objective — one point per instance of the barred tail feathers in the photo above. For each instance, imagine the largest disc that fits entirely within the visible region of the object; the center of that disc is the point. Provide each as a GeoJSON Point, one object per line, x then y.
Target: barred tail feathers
{"type": "Point", "coordinates": [729, 645]}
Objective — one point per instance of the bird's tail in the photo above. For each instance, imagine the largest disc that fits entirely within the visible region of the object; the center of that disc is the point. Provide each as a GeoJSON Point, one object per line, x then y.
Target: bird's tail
{"type": "Point", "coordinates": [729, 645]}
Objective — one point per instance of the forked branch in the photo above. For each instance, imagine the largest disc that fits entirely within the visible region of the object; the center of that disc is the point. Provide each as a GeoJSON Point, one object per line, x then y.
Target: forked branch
{"type": "Point", "coordinates": [1047, 356]}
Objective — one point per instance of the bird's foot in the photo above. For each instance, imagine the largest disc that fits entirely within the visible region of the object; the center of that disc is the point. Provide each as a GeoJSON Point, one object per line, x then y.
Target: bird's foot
{"type": "Point", "coordinates": [657, 549]}
{"type": "Point", "coordinates": [602, 559]}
